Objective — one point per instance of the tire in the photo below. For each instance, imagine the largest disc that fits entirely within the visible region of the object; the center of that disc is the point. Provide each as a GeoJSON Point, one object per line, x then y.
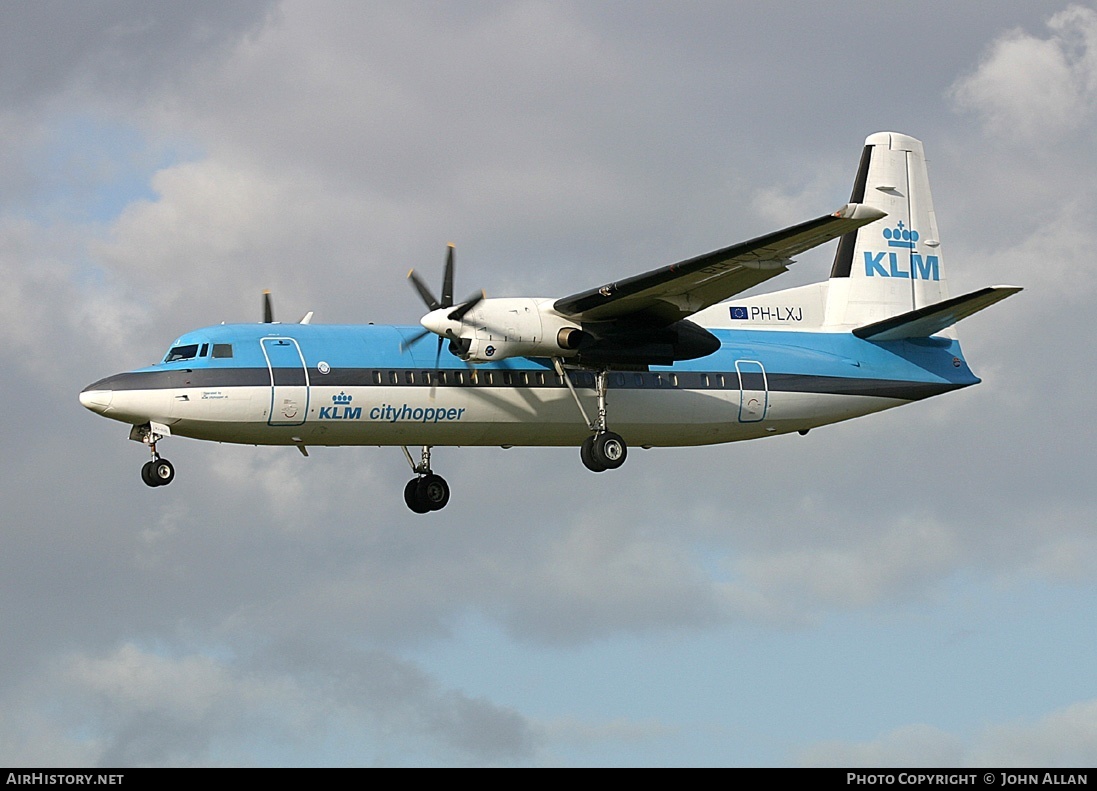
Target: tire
{"type": "Point", "coordinates": [433, 492]}
{"type": "Point", "coordinates": [163, 472]}
{"type": "Point", "coordinates": [411, 497]}
{"type": "Point", "coordinates": [609, 450]}
{"type": "Point", "coordinates": [585, 454]}
{"type": "Point", "coordinates": [147, 475]}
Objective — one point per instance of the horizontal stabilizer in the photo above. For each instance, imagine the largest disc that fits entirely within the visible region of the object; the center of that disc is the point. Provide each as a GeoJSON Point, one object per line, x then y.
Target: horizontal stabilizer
{"type": "Point", "coordinates": [923, 322]}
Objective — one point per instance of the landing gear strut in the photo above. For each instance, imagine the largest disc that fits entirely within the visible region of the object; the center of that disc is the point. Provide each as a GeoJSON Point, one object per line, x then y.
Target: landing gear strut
{"type": "Point", "coordinates": [603, 450]}
{"type": "Point", "coordinates": [426, 491]}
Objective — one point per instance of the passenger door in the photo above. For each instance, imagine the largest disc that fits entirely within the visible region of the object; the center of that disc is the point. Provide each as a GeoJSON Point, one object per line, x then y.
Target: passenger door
{"type": "Point", "coordinates": [753, 391]}
{"type": "Point", "coordinates": [289, 382]}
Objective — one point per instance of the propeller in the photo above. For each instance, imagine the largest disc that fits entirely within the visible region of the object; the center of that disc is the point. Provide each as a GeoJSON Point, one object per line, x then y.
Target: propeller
{"type": "Point", "coordinates": [433, 304]}
{"type": "Point", "coordinates": [268, 311]}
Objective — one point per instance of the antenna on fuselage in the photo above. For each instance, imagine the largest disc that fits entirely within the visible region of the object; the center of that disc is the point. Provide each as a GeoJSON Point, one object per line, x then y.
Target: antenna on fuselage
{"type": "Point", "coordinates": [268, 309]}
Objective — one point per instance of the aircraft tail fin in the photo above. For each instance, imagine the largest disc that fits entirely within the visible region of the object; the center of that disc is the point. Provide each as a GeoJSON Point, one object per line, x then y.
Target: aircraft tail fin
{"type": "Point", "coordinates": [894, 265]}
{"type": "Point", "coordinates": [932, 319]}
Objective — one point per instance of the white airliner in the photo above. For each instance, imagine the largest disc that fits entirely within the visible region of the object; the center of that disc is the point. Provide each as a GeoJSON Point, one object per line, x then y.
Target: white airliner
{"type": "Point", "coordinates": [665, 358]}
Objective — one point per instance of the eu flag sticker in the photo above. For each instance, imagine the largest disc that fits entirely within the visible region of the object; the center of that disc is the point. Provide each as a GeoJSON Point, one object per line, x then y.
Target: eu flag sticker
{"type": "Point", "coordinates": [738, 312]}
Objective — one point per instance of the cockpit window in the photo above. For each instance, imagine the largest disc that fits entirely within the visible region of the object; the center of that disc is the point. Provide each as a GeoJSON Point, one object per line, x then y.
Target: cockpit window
{"type": "Point", "coordinates": [222, 350]}
{"type": "Point", "coordinates": [188, 352]}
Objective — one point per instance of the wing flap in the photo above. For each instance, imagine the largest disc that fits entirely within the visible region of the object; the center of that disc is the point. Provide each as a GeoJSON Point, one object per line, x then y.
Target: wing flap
{"type": "Point", "coordinates": [675, 292]}
{"type": "Point", "coordinates": [923, 322]}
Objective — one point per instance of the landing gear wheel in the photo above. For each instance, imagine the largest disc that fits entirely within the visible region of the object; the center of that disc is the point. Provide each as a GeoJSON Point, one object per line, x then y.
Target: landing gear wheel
{"type": "Point", "coordinates": [609, 450]}
{"type": "Point", "coordinates": [433, 491]}
{"type": "Point", "coordinates": [162, 472]}
{"type": "Point", "coordinates": [585, 453]}
{"type": "Point", "coordinates": [426, 493]}
{"type": "Point", "coordinates": [411, 497]}
{"type": "Point", "coordinates": [147, 475]}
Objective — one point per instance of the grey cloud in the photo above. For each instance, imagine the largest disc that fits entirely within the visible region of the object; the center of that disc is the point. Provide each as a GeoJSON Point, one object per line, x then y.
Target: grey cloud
{"type": "Point", "coordinates": [116, 46]}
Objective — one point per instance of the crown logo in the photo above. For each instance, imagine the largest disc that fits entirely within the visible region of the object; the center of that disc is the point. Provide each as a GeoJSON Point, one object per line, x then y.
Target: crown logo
{"type": "Point", "coordinates": [342, 398]}
{"type": "Point", "coordinates": [901, 237]}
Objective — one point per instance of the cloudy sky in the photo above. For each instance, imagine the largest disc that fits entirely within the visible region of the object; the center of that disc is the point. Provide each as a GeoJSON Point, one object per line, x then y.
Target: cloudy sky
{"type": "Point", "coordinates": [914, 588]}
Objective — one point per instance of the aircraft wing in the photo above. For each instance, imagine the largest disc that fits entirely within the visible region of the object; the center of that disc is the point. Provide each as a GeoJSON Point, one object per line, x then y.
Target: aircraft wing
{"type": "Point", "coordinates": [675, 292]}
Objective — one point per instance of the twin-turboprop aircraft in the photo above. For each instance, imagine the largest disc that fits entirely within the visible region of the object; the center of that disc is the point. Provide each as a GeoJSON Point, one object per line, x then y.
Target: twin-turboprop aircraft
{"type": "Point", "coordinates": [660, 359]}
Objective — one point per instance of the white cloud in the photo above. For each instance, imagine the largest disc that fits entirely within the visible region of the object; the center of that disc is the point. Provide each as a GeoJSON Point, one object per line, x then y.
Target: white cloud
{"type": "Point", "coordinates": [1037, 90]}
{"type": "Point", "coordinates": [910, 746]}
{"type": "Point", "coordinates": [884, 561]}
{"type": "Point", "coordinates": [1066, 737]}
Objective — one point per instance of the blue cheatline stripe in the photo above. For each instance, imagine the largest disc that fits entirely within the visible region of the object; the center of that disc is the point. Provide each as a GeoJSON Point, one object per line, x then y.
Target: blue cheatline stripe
{"type": "Point", "coordinates": [420, 378]}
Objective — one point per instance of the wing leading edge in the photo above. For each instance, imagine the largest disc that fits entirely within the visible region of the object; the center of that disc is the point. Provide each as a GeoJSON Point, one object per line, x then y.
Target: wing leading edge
{"type": "Point", "coordinates": [672, 293]}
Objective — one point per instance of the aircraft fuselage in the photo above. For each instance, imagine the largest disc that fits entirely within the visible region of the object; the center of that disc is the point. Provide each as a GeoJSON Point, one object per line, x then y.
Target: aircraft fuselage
{"type": "Point", "coordinates": [293, 384]}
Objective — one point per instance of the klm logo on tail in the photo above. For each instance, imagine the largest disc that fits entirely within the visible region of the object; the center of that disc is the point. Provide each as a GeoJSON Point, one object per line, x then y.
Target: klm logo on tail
{"type": "Point", "coordinates": [928, 268]}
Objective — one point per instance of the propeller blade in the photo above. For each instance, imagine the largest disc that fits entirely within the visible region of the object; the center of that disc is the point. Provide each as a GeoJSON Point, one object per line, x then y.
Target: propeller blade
{"type": "Point", "coordinates": [424, 292]}
{"type": "Point", "coordinates": [447, 280]}
{"type": "Point", "coordinates": [268, 310]}
{"type": "Point", "coordinates": [414, 339]}
{"type": "Point", "coordinates": [459, 312]}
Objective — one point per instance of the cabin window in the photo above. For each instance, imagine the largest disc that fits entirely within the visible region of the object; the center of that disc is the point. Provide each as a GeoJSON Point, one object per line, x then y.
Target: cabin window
{"type": "Point", "coordinates": [458, 377]}
{"type": "Point", "coordinates": [377, 377]}
{"type": "Point", "coordinates": [508, 378]}
{"type": "Point", "coordinates": [674, 380]}
{"type": "Point", "coordinates": [704, 380]}
{"type": "Point", "coordinates": [409, 377]}
{"type": "Point", "coordinates": [639, 379]}
{"type": "Point", "coordinates": [188, 352]}
{"type": "Point", "coordinates": [222, 350]}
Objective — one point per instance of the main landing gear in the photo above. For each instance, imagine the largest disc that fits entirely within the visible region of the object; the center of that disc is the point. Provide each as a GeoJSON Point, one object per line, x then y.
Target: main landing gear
{"type": "Point", "coordinates": [603, 450]}
{"type": "Point", "coordinates": [426, 491]}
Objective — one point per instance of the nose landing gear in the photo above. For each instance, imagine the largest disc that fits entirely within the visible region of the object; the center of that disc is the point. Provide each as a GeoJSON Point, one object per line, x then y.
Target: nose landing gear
{"type": "Point", "coordinates": [156, 471]}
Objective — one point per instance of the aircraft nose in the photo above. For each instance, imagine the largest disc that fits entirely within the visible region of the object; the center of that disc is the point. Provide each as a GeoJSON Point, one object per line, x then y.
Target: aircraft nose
{"type": "Point", "coordinates": [95, 399]}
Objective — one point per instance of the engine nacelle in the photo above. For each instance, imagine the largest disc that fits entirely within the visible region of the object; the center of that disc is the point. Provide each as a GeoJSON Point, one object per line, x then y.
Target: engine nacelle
{"type": "Point", "coordinates": [501, 328]}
